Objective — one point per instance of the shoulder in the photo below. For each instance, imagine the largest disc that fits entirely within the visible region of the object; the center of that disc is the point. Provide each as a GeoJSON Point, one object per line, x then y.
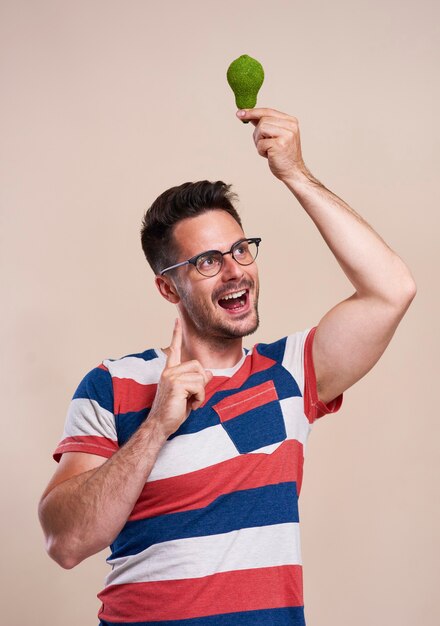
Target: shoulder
{"type": "Point", "coordinates": [282, 350]}
{"type": "Point", "coordinates": [287, 352]}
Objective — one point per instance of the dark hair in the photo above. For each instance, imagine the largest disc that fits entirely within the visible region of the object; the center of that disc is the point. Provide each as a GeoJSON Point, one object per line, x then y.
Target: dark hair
{"type": "Point", "coordinates": [173, 205]}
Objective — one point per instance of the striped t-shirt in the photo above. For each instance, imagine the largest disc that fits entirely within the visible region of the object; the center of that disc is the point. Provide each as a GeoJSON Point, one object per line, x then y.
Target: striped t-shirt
{"type": "Point", "coordinates": [214, 538]}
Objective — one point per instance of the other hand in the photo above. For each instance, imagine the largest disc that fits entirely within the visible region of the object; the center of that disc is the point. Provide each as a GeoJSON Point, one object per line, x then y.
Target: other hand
{"type": "Point", "coordinates": [276, 137]}
{"type": "Point", "coordinates": [181, 387]}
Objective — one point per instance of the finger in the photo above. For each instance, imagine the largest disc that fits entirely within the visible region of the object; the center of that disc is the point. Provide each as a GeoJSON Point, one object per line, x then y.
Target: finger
{"type": "Point", "coordinates": [187, 383]}
{"type": "Point", "coordinates": [175, 355]}
{"type": "Point", "coordinates": [192, 387]}
{"type": "Point", "coordinates": [193, 367]}
{"type": "Point", "coordinates": [254, 115]}
{"type": "Point", "coordinates": [263, 147]}
{"type": "Point", "coordinates": [197, 399]}
{"type": "Point", "coordinates": [289, 123]}
{"type": "Point", "coordinates": [266, 130]}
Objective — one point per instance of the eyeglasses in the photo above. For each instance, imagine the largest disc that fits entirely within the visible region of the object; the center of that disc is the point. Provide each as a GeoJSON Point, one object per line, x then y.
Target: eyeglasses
{"type": "Point", "coordinates": [210, 263]}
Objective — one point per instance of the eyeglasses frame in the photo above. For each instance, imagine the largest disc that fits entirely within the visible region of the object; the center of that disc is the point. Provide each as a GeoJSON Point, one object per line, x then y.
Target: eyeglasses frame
{"type": "Point", "coordinates": [193, 260]}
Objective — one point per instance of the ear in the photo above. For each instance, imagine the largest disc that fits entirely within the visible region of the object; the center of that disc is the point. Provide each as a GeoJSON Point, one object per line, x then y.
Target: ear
{"type": "Point", "coordinates": [167, 289]}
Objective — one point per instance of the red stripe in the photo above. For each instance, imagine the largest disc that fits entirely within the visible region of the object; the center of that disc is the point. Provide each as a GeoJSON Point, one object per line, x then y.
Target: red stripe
{"type": "Point", "coordinates": [130, 395]}
{"type": "Point", "coordinates": [198, 489]}
{"type": "Point", "coordinates": [101, 366]}
{"type": "Point", "coordinates": [87, 443]}
{"type": "Point", "coordinates": [238, 403]}
{"type": "Point", "coordinates": [226, 592]}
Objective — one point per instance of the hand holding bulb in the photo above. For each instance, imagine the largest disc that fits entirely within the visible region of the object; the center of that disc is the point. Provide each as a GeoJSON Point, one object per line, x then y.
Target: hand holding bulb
{"type": "Point", "coordinates": [276, 135]}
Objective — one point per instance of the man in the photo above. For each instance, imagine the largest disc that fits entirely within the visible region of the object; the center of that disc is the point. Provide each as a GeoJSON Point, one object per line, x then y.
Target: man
{"type": "Point", "coordinates": [188, 460]}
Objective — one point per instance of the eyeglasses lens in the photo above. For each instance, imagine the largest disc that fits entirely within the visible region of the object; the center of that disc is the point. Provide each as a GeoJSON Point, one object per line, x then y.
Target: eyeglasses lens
{"type": "Point", "coordinates": [244, 253]}
{"type": "Point", "coordinates": [209, 264]}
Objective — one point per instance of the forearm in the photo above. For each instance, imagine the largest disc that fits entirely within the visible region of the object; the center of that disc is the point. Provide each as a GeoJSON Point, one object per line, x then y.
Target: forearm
{"type": "Point", "coordinates": [84, 514]}
{"type": "Point", "coordinates": [368, 262]}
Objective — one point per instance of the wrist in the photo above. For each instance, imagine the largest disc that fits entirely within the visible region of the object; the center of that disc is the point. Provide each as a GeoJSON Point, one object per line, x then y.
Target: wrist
{"type": "Point", "coordinates": [300, 179]}
{"type": "Point", "coordinates": [155, 428]}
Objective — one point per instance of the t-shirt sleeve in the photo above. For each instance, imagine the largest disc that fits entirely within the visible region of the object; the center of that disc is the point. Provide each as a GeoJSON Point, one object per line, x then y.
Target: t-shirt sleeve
{"type": "Point", "coordinates": [298, 359]}
{"type": "Point", "coordinates": [90, 421]}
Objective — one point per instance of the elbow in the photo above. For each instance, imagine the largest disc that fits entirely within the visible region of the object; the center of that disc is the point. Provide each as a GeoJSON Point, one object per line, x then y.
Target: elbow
{"type": "Point", "coordinates": [409, 287]}
{"type": "Point", "coordinates": [412, 290]}
{"type": "Point", "coordinates": [409, 292]}
{"type": "Point", "coordinates": [58, 551]}
{"type": "Point", "coordinates": [67, 544]}
{"type": "Point", "coordinates": [404, 294]}
{"type": "Point", "coordinates": [57, 545]}
{"type": "Point", "coordinates": [400, 286]}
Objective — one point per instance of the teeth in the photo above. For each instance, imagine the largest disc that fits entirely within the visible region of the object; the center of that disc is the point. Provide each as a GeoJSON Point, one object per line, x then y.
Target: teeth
{"type": "Point", "coordinates": [238, 294]}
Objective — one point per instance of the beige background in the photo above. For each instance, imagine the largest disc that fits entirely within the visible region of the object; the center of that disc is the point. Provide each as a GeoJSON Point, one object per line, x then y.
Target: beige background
{"type": "Point", "coordinates": [107, 103]}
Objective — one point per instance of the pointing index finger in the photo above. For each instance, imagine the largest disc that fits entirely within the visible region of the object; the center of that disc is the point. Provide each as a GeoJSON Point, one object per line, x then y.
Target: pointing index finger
{"type": "Point", "coordinates": [175, 355]}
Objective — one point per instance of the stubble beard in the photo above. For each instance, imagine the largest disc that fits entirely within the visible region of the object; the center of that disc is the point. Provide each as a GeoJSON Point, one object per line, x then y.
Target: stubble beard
{"type": "Point", "coordinates": [217, 330]}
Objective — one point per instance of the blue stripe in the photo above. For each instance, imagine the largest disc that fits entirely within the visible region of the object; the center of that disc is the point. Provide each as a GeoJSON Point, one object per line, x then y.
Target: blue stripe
{"type": "Point", "coordinates": [273, 350]}
{"type": "Point", "coordinates": [147, 355]}
{"type": "Point", "coordinates": [261, 506]}
{"type": "Point", "coordinates": [202, 418]}
{"type": "Point", "coordinates": [285, 383]}
{"type": "Point", "coordinates": [128, 423]}
{"type": "Point", "coordinates": [286, 616]}
{"type": "Point", "coordinates": [97, 385]}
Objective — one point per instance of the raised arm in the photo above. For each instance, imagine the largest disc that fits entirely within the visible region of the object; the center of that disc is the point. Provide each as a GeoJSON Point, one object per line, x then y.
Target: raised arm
{"type": "Point", "coordinates": [352, 336]}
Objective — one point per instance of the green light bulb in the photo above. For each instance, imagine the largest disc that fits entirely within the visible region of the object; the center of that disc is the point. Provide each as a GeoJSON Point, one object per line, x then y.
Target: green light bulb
{"type": "Point", "coordinates": [245, 76]}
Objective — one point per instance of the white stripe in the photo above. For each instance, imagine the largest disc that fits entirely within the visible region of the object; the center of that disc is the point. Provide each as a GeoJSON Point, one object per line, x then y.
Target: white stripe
{"type": "Point", "coordinates": [193, 557]}
{"type": "Point", "coordinates": [194, 451]}
{"type": "Point", "coordinates": [149, 372]}
{"type": "Point", "coordinates": [141, 371]}
{"type": "Point", "coordinates": [267, 449]}
{"type": "Point", "coordinates": [293, 359]}
{"type": "Point", "coordinates": [87, 417]}
{"type": "Point", "coordinates": [297, 425]}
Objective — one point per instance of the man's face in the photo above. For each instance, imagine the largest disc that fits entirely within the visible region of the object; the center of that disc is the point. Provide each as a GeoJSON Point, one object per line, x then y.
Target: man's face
{"type": "Point", "coordinates": [200, 295]}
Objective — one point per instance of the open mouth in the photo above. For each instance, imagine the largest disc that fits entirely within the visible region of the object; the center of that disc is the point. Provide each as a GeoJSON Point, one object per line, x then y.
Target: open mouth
{"type": "Point", "coordinates": [235, 302]}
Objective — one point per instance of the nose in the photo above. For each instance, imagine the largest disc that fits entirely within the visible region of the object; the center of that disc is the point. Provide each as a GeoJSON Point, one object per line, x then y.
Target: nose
{"type": "Point", "coordinates": [231, 270]}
